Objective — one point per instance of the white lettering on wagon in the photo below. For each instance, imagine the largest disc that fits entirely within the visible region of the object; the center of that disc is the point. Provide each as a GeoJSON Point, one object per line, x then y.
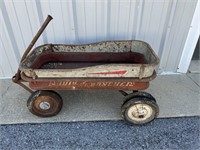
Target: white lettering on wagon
{"type": "Point", "coordinates": [62, 83]}
{"type": "Point", "coordinates": [90, 84]}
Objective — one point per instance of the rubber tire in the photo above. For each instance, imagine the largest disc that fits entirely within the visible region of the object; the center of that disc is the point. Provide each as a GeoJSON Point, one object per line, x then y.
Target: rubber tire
{"type": "Point", "coordinates": [139, 100]}
{"type": "Point", "coordinates": [138, 95]}
{"type": "Point", "coordinates": [39, 93]}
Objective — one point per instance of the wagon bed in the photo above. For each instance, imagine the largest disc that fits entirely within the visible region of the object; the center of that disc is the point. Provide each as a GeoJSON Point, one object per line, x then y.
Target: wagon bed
{"type": "Point", "coordinates": [107, 59]}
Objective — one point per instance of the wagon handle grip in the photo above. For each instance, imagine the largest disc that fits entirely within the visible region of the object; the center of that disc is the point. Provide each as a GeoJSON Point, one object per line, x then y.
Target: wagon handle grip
{"type": "Point", "coordinates": [34, 40]}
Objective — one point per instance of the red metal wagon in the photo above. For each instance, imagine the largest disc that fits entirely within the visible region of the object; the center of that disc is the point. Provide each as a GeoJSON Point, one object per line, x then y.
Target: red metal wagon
{"type": "Point", "coordinates": [113, 65]}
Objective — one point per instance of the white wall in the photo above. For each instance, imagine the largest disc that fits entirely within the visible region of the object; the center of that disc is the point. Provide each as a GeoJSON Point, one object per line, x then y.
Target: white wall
{"type": "Point", "coordinates": [164, 24]}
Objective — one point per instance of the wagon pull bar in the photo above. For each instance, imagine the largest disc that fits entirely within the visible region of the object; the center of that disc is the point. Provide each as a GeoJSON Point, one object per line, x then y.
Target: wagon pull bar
{"type": "Point", "coordinates": [40, 31]}
{"type": "Point", "coordinates": [16, 78]}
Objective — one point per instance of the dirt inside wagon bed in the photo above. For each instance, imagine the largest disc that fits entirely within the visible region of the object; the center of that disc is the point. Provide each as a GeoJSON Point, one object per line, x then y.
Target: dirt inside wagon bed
{"type": "Point", "coordinates": [79, 60]}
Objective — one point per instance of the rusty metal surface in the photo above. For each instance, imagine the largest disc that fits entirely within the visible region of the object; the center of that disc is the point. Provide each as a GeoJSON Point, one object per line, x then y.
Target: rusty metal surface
{"type": "Point", "coordinates": [98, 55]}
{"type": "Point", "coordinates": [89, 84]}
{"type": "Point", "coordinates": [147, 79]}
{"type": "Point", "coordinates": [16, 77]}
{"type": "Point", "coordinates": [20, 82]}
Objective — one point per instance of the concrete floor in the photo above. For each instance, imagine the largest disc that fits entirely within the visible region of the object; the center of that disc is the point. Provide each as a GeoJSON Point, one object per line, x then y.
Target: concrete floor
{"type": "Point", "coordinates": [177, 95]}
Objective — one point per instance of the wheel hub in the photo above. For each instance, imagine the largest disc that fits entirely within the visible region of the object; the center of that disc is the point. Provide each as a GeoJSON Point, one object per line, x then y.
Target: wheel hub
{"type": "Point", "coordinates": [44, 105]}
{"type": "Point", "coordinates": [139, 112]}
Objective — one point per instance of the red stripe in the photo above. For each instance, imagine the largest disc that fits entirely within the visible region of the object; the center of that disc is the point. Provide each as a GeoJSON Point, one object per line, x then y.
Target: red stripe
{"type": "Point", "coordinates": [121, 72]}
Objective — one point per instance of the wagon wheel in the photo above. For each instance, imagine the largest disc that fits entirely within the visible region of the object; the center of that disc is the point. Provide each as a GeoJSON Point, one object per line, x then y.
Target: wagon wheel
{"type": "Point", "coordinates": [44, 103]}
{"type": "Point", "coordinates": [139, 109]}
{"type": "Point", "coordinates": [138, 94]}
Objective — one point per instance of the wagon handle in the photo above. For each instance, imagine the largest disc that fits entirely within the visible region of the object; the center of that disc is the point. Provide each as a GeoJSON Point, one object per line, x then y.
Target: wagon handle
{"type": "Point", "coordinates": [40, 31]}
{"type": "Point", "coordinates": [28, 49]}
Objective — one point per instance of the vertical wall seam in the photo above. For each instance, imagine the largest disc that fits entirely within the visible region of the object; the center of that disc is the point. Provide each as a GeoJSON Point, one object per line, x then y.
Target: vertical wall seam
{"type": "Point", "coordinates": [147, 29]}
{"type": "Point", "coordinates": [159, 24]}
{"type": "Point", "coordinates": [29, 18]}
{"type": "Point", "coordinates": [139, 21]}
{"type": "Point", "coordinates": [3, 73]}
{"type": "Point", "coordinates": [129, 15]}
{"type": "Point", "coordinates": [41, 19]}
{"type": "Point", "coordinates": [7, 56]}
{"type": "Point", "coordinates": [118, 14]}
{"type": "Point", "coordinates": [54, 38]}
{"type": "Point", "coordinates": [63, 22]}
{"type": "Point", "coordinates": [179, 55]}
{"type": "Point", "coordinates": [77, 38]}
{"type": "Point", "coordinates": [84, 12]}
{"type": "Point", "coordinates": [135, 20]}
{"type": "Point", "coordinates": [174, 34]}
{"type": "Point", "coordinates": [19, 24]}
{"type": "Point", "coordinates": [70, 22]}
{"type": "Point", "coordinates": [96, 19]}
{"type": "Point", "coordinates": [166, 31]}
{"type": "Point", "coordinates": [108, 19]}
{"type": "Point", "coordinates": [105, 18]}
{"type": "Point", "coordinates": [10, 31]}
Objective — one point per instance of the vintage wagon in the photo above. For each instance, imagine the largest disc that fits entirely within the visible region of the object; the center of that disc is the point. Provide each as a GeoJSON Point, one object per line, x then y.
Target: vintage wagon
{"type": "Point", "coordinates": [114, 65]}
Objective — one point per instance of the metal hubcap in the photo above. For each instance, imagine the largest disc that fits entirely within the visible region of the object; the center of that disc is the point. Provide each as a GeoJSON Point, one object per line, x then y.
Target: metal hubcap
{"type": "Point", "coordinates": [44, 105]}
{"type": "Point", "coordinates": [140, 112]}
